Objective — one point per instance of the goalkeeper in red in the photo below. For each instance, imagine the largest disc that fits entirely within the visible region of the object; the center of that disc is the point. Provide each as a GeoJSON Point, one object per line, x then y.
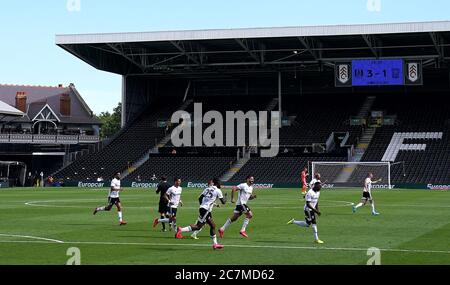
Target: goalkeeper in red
{"type": "Point", "coordinates": [303, 176]}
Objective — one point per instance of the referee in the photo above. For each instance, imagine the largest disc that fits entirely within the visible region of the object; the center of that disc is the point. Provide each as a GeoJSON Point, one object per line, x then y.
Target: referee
{"type": "Point", "coordinates": [163, 208]}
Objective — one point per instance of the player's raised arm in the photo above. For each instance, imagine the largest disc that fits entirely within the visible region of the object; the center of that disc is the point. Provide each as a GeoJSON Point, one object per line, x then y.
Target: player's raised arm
{"type": "Point", "coordinates": [379, 180]}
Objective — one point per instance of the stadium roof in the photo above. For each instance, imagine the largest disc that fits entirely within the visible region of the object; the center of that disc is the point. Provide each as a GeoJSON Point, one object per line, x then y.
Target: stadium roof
{"type": "Point", "coordinates": [258, 49]}
{"type": "Point", "coordinates": [9, 111]}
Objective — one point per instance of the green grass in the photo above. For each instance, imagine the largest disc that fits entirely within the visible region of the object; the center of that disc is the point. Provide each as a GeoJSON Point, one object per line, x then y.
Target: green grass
{"type": "Point", "coordinates": [413, 228]}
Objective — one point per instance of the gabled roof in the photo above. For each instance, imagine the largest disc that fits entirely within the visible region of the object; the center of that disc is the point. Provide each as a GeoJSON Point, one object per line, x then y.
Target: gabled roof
{"type": "Point", "coordinates": [40, 112]}
{"type": "Point", "coordinates": [39, 96]}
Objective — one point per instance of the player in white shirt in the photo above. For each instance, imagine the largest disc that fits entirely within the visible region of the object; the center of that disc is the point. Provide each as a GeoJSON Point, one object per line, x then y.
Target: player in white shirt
{"type": "Point", "coordinates": [113, 199]}
{"type": "Point", "coordinates": [311, 209]}
{"type": "Point", "coordinates": [314, 181]}
{"type": "Point", "coordinates": [245, 194]}
{"type": "Point", "coordinates": [367, 195]}
{"type": "Point", "coordinates": [207, 202]}
{"type": "Point", "coordinates": [195, 233]}
{"type": "Point", "coordinates": [173, 197]}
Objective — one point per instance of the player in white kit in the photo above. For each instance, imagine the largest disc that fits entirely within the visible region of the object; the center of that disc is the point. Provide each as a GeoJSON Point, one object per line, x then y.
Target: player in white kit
{"type": "Point", "coordinates": [113, 199]}
{"type": "Point", "coordinates": [173, 197]}
{"type": "Point", "coordinates": [207, 200]}
{"type": "Point", "coordinates": [245, 194]}
{"type": "Point", "coordinates": [367, 195]}
{"type": "Point", "coordinates": [195, 233]}
{"type": "Point", "coordinates": [311, 209]}
{"type": "Point", "coordinates": [314, 180]}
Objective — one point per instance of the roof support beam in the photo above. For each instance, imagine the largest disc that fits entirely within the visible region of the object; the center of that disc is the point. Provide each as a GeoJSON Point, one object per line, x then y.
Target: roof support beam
{"type": "Point", "coordinates": [126, 56]}
{"type": "Point", "coordinates": [438, 44]}
{"type": "Point", "coordinates": [312, 46]}
{"type": "Point", "coordinates": [180, 46]}
{"type": "Point", "coordinates": [244, 43]}
{"type": "Point", "coordinates": [371, 43]}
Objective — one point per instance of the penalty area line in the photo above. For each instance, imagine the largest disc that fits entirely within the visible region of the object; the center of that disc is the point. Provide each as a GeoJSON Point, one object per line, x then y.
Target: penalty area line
{"type": "Point", "coordinates": [32, 237]}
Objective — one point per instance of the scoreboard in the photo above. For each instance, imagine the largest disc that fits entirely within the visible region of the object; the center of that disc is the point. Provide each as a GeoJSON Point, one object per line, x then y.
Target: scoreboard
{"type": "Point", "coordinates": [377, 72]}
{"type": "Point", "coordinates": [368, 72]}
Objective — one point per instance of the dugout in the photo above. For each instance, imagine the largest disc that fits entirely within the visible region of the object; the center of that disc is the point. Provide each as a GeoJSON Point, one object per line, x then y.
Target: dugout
{"type": "Point", "coordinates": [12, 173]}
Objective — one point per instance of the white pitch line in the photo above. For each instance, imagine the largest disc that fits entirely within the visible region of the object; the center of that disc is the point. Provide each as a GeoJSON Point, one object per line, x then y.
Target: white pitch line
{"type": "Point", "coordinates": [241, 246]}
{"type": "Point", "coordinates": [32, 237]}
{"type": "Point", "coordinates": [260, 206]}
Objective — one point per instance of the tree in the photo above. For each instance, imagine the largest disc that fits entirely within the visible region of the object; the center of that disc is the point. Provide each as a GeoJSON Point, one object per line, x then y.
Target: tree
{"type": "Point", "coordinates": [111, 122]}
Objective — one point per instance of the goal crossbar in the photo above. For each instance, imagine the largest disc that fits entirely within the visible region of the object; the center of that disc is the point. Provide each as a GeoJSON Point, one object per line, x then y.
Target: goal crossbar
{"type": "Point", "coordinates": [347, 173]}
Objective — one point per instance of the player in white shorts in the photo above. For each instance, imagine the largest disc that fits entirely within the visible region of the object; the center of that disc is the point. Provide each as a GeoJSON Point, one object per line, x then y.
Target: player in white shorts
{"type": "Point", "coordinates": [207, 200]}
{"type": "Point", "coordinates": [113, 199]}
{"type": "Point", "coordinates": [173, 198]}
{"type": "Point", "coordinates": [245, 194]}
{"type": "Point", "coordinates": [367, 195]}
{"type": "Point", "coordinates": [311, 209]}
{"type": "Point", "coordinates": [195, 233]}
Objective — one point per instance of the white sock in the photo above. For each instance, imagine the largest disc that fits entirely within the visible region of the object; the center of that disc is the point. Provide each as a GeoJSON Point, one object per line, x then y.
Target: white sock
{"type": "Point", "coordinates": [227, 224]}
{"type": "Point", "coordinates": [165, 220]}
{"type": "Point", "coordinates": [214, 238]}
{"type": "Point", "coordinates": [301, 224]}
{"type": "Point", "coordinates": [373, 207]}
{"type": "Point", "coordinates": [316, 235]}
{"type": "Point", "coordinates": [186, 229]}
{"type": "Point", "coordinates": [120, 216]}
{"type": "Point", "coordinates": [245, 224]}
{"type": "Point", "coordinates": [101, 209]}
{"type": "Point", "coordinates": [174, 226]}
{"type": "Point", "coordinates": [359, 205]}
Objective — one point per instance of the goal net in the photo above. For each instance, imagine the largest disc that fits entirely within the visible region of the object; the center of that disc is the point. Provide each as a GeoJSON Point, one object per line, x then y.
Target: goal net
{"type": "Point", "coordinates": [352, 174]}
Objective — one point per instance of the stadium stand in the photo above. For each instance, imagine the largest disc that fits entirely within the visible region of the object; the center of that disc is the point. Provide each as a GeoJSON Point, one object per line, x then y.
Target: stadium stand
{"type": "Point", "coordinates": [311, 126]}
{"type": "Point", "coordinates": [301, 67]}
{"type": "Point", "coordinates": [194, 169]}
{"type": "Point", "coordinates": [222, 104]}
{"type": "Point", "coordinates": [415, 115]}
{"type": "Point", "coordinates": [122, 151]}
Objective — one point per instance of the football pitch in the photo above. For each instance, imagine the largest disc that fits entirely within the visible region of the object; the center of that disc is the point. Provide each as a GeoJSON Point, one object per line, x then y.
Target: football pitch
{"type": "Point", "coordinates": [38, 226]}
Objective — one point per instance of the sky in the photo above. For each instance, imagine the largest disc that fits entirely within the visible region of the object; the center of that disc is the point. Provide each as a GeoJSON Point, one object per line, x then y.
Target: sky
{"type": "Point", "coordinates": [29, 56]}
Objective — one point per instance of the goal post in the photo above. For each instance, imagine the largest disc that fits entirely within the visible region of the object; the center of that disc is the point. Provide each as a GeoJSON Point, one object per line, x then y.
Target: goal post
{"type": "Point", "coordinates": [352, 174]}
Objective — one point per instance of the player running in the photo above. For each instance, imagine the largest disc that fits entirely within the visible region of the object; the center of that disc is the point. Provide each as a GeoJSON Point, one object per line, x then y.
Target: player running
{"type": "Point", "coordinates": [245, 194]}
{"type": "Point", "coordinates": [303, 176]}
{"type": "Point", "coordinates": [311, 209]}
{"type": "Point", "coordinates": [367, 195]}
{"type": "Point", "coordinates": [113, 199]}
{"type": "Point", "coordinates": [163, 208]}
{"type": "Point", "coordinates": [195, 233]}
{"type": "Point", "coordinates": [207, 200]}
{"type": "Point", "coordinates": [173, 198]}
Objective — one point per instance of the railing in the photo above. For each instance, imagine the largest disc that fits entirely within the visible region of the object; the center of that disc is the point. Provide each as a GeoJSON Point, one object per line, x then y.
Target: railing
{"type": "Point", "coordinates": [48, 139]}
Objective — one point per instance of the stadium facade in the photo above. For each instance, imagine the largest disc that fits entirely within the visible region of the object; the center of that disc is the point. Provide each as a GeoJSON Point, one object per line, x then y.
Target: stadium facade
{"type": "Point", "coordinates": [294, 70]}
